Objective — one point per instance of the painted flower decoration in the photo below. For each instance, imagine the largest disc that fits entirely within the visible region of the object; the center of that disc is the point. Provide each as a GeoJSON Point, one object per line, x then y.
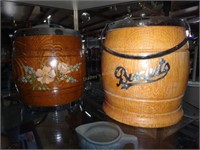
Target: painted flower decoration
{"type": "Point", "coordinates": [63, 68]}
{"type": "Point", "coordinates": [45, 75]}
{"type": "Point", "coordinates": [40, 78]}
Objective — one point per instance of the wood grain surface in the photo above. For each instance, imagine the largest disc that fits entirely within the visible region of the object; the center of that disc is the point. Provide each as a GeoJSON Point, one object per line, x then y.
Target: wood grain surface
{"type": "Point", "coordinates": [48, 69]}
{"type": "Point", "coordinates": [151, 105]}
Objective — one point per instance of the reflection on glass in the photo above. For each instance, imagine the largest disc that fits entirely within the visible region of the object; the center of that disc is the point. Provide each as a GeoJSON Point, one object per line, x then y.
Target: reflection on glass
{"type": "Point", "coordinates": [53, 63]}
{"type": "Point", "coordinates": [58, 137]}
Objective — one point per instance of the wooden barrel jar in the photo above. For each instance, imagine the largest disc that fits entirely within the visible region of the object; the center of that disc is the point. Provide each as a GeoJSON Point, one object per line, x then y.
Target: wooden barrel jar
{"type": "Point", "coordinates": [145, 71]}
{"type": "Point", "coordinates": [48, 66]}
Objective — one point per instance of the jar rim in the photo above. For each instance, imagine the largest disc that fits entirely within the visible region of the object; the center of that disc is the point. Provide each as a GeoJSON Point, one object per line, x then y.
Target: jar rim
{"type": "Point", "coordinates": [147, 21]}
{"type": "Point", "coordinates": [46, 30]}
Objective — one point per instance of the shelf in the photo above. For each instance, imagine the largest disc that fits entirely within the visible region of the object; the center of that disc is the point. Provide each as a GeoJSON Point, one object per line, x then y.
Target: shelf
{"type": "Point", "coordinates": [68, 4]}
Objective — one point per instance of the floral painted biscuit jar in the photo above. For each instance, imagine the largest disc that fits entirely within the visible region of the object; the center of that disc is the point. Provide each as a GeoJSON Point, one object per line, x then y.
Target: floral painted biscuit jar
{"type": "Point", "coordinates": [48, 65]}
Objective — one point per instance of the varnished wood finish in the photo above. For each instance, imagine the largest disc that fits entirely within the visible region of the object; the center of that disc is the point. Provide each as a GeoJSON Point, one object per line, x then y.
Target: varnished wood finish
{"type": "Point", "coordinates": [48, 50]}
{"type": "Point", "coordinates": [150, 105]}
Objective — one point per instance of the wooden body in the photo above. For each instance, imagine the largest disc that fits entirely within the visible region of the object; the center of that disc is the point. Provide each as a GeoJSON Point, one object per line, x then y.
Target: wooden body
{"type": "Point", "coordinates": [151, 105]}
{"type": "Point", "coordinates": [48, 69]}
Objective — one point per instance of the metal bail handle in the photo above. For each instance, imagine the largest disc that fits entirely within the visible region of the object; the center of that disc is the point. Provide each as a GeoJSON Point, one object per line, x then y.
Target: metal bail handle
{"type": "Point", "coordinates": [155, 55]}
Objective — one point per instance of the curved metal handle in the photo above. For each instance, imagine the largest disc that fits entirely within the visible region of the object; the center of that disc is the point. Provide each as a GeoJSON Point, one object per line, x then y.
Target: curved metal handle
{"type": "Point", "coordinates": [155, 55]}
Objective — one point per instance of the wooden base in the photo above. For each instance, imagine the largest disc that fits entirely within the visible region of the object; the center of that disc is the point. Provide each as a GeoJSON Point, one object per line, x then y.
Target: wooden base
{"type": "Point", "coordinates": [143, 120]}
{"type": "Point", "coordinates": [51, 99]}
